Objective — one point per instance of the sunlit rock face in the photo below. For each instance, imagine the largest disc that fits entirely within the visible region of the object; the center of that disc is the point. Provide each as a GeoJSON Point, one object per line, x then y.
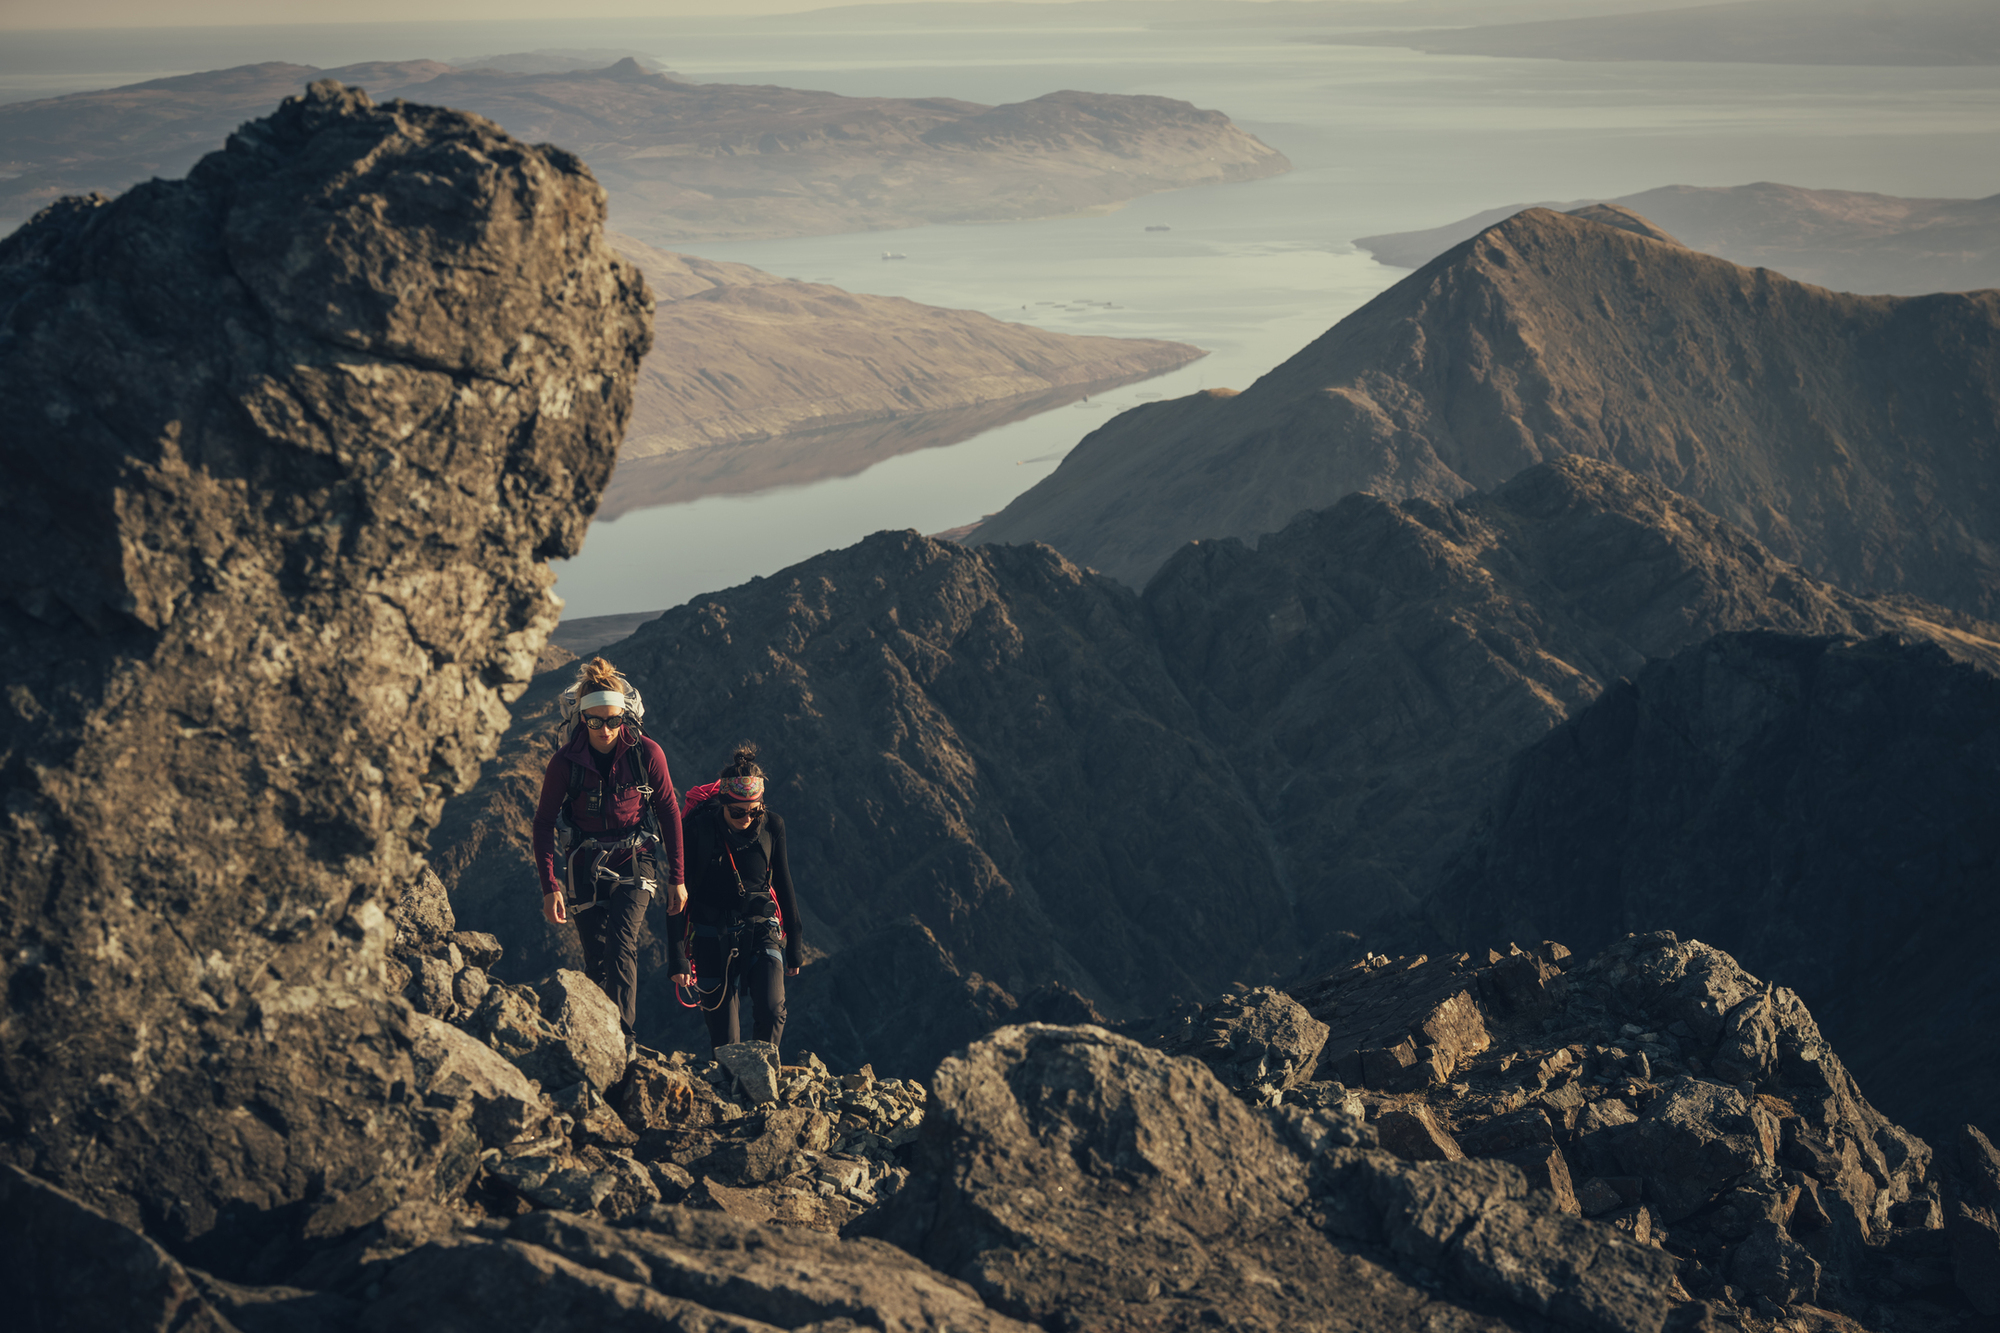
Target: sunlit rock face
{"type": "Point", "coordinates": [287, 445]}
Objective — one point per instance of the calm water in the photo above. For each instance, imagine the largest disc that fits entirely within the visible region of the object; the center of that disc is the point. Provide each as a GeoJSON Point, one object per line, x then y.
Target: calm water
{"type": "Point", "coordinates": [1380, 140]}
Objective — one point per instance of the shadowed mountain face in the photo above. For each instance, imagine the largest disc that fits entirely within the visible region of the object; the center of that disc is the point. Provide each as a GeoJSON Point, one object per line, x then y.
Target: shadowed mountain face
{"type": "Point", "coordinates": [1827, 809]}
{"type": "Point", "coordinates": [682, 161]}
{"type": "Point", "coordinates": [1853, 435]}
{"type": "Point", "coordinates": [1844, 239]}
{"type": "Point", "coordinates": [1009, 774]}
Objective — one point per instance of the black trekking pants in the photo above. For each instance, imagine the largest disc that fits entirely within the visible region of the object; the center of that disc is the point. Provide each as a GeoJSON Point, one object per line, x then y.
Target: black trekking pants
{"type": "Point", "coordinates": [610, 936]}
{"type": "Point", "coordinates": [731, 967]}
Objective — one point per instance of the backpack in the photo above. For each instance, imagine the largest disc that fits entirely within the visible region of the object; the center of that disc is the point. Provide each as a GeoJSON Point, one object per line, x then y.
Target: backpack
{"type": "Point", "coordinates": [566, 704]}
{"type": "Point", "coordinates": [711, 805]}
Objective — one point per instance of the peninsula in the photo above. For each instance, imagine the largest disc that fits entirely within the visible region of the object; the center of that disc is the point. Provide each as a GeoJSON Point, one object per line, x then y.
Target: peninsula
{"type": "Point", "coordinates": [684, 161]}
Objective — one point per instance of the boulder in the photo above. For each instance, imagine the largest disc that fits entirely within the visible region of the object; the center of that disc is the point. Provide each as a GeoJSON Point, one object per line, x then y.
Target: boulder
{"type": "Point", "coordinates": [422, 917]}
{"type": "Point", "coordinates": [454, 1065]}
{"type": "Point", "coordinates": [754, 1066]}
{"type": "Point", "coordinates": [430, 990]}
{"type": "Point", "coordinates": [1415, 1136]}
{"type": "Point", "coordinates": [1400, 1028]}
{"type": "Point", "coordinates": [672, 1268]}
{"type": "Point", "coordinates": [1547, 1169]}
{"type": "Point", "coordinates": [1773, 1265]}
{"type": "Point", "coordinates": [655, 1095]}
{"type": "Point", "coordinates": [1695, 1141]}
{"type": "Point", "coordinates": [589, 1037]}
{"type": "Point", "coordinates": [1078, 1179]}
{"type": "Point", "coordinates": [468, 988]}
{"type": "Point", "coordinates": [480, 949]}
{"type": "Point", "coordinates": [1261, 1043]}
{"type": "Point", "coordinates": [777, 1146]}
{"type": "Point", "coordinates": [1477, 1222]}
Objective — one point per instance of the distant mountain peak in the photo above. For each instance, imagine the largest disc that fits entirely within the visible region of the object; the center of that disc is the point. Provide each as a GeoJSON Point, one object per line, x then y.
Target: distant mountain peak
{"type": "Point", "coordinates": [1851, 434]}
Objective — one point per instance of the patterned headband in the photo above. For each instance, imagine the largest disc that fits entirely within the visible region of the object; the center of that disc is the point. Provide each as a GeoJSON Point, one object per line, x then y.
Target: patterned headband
{"type": "Point", "coordinates": [744, 789]}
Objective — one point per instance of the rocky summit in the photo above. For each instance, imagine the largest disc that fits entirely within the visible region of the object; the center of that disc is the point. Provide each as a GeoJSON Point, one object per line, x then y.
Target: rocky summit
{"type": "Point", "coordinates": [1850, 434]}
{"type": "Point", "coordinates": [289, 443]}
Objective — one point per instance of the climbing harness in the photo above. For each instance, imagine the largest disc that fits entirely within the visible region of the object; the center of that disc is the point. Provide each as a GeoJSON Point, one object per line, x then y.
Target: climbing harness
{"type": "Point", "coordinates": [770, 927]}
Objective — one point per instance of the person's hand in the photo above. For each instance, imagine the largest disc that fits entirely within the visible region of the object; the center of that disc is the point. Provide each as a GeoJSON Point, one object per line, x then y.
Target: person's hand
{"type": "Point", "coordinates": [677, 899]}
{"type": "Point", "coordinates": [683, 978]}
{"type": "Point", "coordinates": [552, 908]}
{"type": "Point", "coordinates": [791, 971]}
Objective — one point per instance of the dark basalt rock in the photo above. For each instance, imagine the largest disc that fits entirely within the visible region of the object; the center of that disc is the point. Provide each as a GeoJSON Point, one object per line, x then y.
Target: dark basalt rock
{"type": "Point", "coordinates": [288, 443]}
{"type": "Point", "coordinates": [1080, 1180]}
{"type": "Point", "coordinates": [1662, 1092]}
{"type": "Point", "coordinates": [1001, 773]}
{"type": "Point", "coordinates": [1824, 808]}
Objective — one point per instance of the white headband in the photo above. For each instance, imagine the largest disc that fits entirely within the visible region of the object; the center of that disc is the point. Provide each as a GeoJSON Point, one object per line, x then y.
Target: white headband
{"type": "Point", "coordinates": [601, 698]}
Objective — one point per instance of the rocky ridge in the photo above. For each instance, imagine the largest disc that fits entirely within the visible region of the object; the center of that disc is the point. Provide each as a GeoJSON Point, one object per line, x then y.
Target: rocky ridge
{"type": "Point", "coordinates": [1326, 717]}
{"type": "Point", "coordinates": [1650, 1139]}
{"type": "Point", "coordinates": [684, 161]}
{"type": "Point", "coordinates": [257, 1074]}
{"type": "Point", "coordinates": [1825, 807]}
{"type": "Point", "coordinates": [1846, 433]}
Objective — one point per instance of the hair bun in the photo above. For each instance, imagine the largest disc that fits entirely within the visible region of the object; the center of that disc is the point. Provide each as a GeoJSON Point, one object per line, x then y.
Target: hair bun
{"type": "Point", "coordinates": [598, 674]}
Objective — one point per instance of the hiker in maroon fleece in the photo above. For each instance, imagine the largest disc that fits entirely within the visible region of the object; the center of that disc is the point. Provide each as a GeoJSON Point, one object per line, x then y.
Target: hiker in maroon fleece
{"type": "Point", "coordinates": [609, 871]}
{"type": "Point", "coordinates": [743, 914]}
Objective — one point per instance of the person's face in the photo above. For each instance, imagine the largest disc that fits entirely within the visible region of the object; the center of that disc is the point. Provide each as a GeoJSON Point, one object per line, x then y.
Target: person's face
{"type": "Point", "coordinates": [740, 813]}
{"type": "Point", "coordinates": [603, 725]}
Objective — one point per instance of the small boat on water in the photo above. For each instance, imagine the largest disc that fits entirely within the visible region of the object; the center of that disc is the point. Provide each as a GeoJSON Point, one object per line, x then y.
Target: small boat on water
{"type": "Point", "coordinates": [1159, 226]}
{"type": "Point", "coordinates": [892, 254]}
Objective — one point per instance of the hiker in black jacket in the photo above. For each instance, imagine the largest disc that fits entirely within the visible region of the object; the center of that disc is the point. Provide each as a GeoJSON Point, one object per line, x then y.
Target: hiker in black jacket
{"type": "Point", "coordinates": [742, 920]}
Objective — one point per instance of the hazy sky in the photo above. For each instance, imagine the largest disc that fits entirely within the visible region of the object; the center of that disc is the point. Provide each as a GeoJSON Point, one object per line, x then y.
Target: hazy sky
{"type": "Point", "coordinates": [177, 13]}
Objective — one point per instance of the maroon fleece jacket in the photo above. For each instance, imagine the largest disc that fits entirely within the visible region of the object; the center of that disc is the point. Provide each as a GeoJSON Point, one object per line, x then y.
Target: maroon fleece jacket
{"type": "Point", "coordinates": [622, 809]}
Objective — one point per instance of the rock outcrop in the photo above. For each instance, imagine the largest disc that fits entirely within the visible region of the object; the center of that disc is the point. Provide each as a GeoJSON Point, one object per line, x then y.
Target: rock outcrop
{"type": "Point", "coordinates": [1849, 434]}
{"type": "Point", "coordinates": [289, 443]}
{"type": "Point", "coordinates": [1656, 1089]}
{"type": "Point", "coordinates": [684, 161]}
{"type": "Point", "coordinates": [1825, 808]}
{"type": "Point", "coordinates": [1849, 240]}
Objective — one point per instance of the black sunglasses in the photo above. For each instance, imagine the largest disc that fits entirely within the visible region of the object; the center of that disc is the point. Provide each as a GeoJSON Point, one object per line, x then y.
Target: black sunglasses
{"type": "Point", "coordinates": [604, 723]}
{"type": "Point", "coordinates": [737, 811]}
